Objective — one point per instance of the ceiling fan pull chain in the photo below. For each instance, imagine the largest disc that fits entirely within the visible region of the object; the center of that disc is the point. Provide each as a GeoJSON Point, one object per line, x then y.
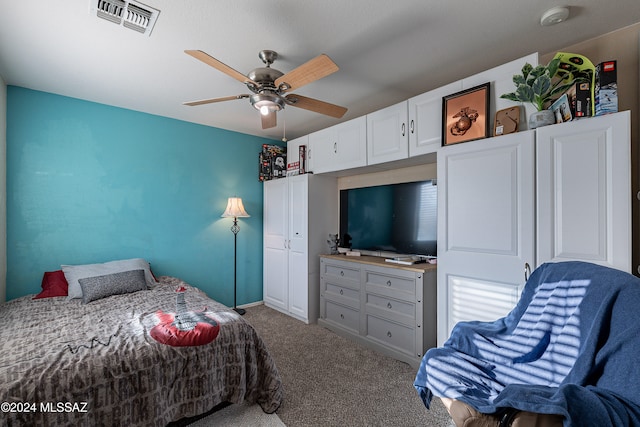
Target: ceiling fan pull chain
{"type": "Point", "coordinates": [284, 128]}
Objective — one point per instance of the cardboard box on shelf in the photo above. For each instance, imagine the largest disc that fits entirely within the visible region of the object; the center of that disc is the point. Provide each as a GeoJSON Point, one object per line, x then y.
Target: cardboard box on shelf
{"type": "Point", "coordinates": [606, 88]}
{"type": "Point", "coordinates": [580, 99]}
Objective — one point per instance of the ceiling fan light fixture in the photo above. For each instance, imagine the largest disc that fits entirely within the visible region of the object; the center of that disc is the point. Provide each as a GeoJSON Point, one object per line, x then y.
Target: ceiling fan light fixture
{"type": "Point", "coordinates": [266, 102]}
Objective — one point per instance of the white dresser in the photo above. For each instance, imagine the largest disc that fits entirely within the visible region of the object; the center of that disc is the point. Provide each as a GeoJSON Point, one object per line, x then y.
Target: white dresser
{"type": "Point", "coordinates": [388, 307]}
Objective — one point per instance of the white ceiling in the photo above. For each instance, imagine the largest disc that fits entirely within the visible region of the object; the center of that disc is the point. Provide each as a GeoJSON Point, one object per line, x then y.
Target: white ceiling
{"type": "Point", "coordinates": [387, 51]}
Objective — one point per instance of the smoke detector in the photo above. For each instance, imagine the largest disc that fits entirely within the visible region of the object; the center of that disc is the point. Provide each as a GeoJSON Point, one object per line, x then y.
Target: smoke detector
{"type": "Point", "coordinates": [555, 15]}
{"type": "Point", "coordinates": [129, 14]}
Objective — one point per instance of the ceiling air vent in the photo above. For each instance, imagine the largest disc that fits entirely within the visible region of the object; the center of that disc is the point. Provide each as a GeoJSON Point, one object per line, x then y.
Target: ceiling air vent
{"type": "Point", "coordinates": [129, 14]}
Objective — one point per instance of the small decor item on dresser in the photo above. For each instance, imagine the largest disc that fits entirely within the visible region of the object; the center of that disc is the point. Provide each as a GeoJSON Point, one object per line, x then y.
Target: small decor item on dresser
{"type": "Point", "coordinates": [333, 242]}
{"type": "Point", "coordinates": [507, 121]}
{"type": "Point", "coordinates": [465, 115]}
{"type": "Point", "coordinates": [540, 86]}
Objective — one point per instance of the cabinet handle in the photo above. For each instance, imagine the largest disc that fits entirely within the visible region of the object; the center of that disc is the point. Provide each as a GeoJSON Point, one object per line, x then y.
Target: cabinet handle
{"type": "Point", "coordinates": [342, 316]}
{"type": "Point", "coordinates": [527, 271]}
{"type": "Point", "coordinates": [389, 334]}
{"type": "Point", "coordinates": [411, 126]}
{"type": "Point", "coordinates": [342, 272]}
{"type": "Point", "coordinates": [335, 147]}
{"type": "Point", "coordinates": [388, 282]}
{"type": "Point", "coordinates": [403, 129]}
{"type": "Point", "coordinates": [341, 292]}
{"type": "Point", "coordinates": [389, 305]}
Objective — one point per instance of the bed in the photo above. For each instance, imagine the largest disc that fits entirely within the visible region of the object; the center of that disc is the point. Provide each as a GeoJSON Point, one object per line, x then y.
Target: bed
{"type": "Point", "coordinates": [70, 362]}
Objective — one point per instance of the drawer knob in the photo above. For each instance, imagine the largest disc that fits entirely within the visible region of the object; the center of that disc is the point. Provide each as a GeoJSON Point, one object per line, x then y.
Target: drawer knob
{"type": "Point", "coordinates": [389, 305]}
{"type": "Point", "coordinates": [388, 282]}
{"type": "Point", "coordinates": [389, 334]}
{"type": "Point", "coordinates": [341, 292]}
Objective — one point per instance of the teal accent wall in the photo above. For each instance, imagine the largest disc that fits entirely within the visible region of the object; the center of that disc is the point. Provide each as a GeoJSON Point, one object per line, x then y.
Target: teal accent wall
{"type": "Point", "coordinates": [89, 183]}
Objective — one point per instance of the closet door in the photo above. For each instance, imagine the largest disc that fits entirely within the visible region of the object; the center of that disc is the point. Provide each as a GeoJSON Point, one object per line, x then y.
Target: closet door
{"type": "Point", "coordinates": [584, 191]}
{"type": "Point", "coordinates": [276, 231]}
{"type": "Point", "coordinates": [298, 257]}
{"type": "Point", "coordinates": [485, 227]}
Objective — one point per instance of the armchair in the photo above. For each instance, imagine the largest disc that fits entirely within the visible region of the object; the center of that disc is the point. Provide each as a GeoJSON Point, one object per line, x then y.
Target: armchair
{"type": "Point", "coordinates": [566, 354]}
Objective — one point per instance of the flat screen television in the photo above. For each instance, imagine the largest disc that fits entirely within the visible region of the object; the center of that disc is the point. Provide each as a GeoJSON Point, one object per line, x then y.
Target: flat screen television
{"type": "Point", "coordinates": [395, 218]}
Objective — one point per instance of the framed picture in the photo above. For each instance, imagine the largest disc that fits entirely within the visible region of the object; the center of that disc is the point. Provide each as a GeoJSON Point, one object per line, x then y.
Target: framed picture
{"type": "Point", "coordinates": [465, 115]}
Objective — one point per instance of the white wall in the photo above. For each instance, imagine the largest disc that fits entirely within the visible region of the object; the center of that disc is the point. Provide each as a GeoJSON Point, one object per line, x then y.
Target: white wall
{"type": "Point", "coordinates": [3, 190]}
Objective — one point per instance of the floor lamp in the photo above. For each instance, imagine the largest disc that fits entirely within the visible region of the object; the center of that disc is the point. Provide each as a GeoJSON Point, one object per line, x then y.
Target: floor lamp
{"type": "Point", "coordinates": [235, 210]}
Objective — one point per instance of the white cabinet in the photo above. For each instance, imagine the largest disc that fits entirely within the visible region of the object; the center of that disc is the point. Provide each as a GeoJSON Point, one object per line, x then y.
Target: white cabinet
{"type": "Point", "coordinates": [584, 191]}
{"type": "Point", "coordinates": [298, 218]}
{"type": "Point", "coordinates": [388, 134]}
{"type": "Point", "coordinates": [486, 208]}
{"type": "Point", "coordinates": [425, 119]}
{"type": "Point", "coordinates": [561, 192]}
{"type": "Point", "coordinates": [293, 152]}
{"type": "Point", "coordinates": [340, 147]}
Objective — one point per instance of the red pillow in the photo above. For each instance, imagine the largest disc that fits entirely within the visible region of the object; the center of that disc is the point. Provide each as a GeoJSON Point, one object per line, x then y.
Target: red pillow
{"type": "Point", "coordinates": [54, 284]}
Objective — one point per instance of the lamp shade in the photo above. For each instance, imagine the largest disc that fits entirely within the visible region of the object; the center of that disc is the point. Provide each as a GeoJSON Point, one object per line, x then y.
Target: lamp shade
{"type": "Point", "coordinates": [235, 209]}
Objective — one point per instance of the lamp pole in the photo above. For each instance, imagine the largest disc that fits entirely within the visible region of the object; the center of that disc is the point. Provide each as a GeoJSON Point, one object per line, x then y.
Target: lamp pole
{"type": "Point", "coordinates": [235, 228]}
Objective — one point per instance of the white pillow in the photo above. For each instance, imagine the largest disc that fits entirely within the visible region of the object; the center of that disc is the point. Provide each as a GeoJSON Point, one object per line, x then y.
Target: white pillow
{"type": "Point", "coordinates": [75, 272]}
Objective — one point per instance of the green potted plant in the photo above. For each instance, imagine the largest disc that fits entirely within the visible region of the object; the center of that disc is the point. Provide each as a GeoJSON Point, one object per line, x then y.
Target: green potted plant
{"type": "Point", "coordinates": [539, 86]}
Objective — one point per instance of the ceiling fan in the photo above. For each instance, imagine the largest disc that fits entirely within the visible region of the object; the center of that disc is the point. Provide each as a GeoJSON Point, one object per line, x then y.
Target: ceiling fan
{"type": "Point", "coordinates": [269, 86]}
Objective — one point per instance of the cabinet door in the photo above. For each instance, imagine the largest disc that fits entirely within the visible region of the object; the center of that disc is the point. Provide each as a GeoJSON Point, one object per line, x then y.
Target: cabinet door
{"type": "Point", "coordinates": [298, 261]}
{"type": "Point", "coordinates": [584, 191]}
{"type": "Point", "coordinates": [351, 144]}
{"type": "Point", "coordinates": [340, 147]}
{"type": "Point", "coordinates": [388, 134]}
{"type": "Point", "coordinates": [485, 227]}
{"type": "Point", "coordinates": [276, 226]}
{"type": "Point", "coordinates": [425, 119]}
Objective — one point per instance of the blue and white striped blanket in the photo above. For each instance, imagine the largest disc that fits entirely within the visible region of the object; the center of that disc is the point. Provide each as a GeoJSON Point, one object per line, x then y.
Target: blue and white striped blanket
{"type": "Point", "coordinates": [570, 347]}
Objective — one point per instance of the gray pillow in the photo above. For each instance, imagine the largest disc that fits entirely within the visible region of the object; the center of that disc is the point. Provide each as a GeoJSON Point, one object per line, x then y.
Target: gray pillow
{"type": "Point", "coordinates": [125, 282]}
{"type": "Point", "coordinates": [75, 272]}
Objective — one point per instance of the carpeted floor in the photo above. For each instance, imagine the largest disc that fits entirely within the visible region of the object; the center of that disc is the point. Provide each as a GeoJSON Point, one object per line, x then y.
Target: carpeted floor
{"type": "Point", "coordinates": [244, 415]}
{"type": "Point", "coordinates": [331, 381]}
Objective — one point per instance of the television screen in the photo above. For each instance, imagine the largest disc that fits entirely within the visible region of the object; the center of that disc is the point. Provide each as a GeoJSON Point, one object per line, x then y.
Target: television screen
{"type": "Point", "coordinates": [399, 218]}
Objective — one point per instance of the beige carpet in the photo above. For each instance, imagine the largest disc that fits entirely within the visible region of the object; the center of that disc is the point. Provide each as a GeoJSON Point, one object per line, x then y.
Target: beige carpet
{"type": "Point", "coordinates": [244, 415]}
{"type": "Point", "coordinates": [331, 381]}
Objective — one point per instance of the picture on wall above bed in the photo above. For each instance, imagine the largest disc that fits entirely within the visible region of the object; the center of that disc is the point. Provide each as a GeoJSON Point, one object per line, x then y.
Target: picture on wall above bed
{"type": "Point", "coordinates": [465, 115]}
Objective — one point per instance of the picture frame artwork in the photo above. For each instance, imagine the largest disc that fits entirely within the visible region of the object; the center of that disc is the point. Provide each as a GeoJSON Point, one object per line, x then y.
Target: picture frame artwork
{"type": "Point", "coordinates": [465, 115]}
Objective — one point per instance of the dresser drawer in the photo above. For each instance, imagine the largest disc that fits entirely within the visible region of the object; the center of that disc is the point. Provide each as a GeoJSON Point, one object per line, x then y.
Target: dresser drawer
{"type": "Point", "coordinates": [392, 334]}
{"type": "Point", "coordinates": [344, 275]}
{"type": "Point", "coordinates": [345, 317]}
{"type": "Point", "coordinates": [401, 287]}
{"type": "Point", "coordinates": [342, 294]}
{"type": "Point", "coordinates": [390, 305]}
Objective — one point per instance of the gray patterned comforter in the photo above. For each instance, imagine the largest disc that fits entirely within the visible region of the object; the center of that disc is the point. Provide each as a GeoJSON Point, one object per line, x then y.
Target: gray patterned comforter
{"type": "Point", "coordinates": [65, 363]}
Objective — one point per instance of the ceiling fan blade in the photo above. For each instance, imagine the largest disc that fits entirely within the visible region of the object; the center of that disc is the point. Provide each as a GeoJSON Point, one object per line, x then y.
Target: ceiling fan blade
{"type": "Point", "coordinates": [212, 100]}
{"type": "Point", "coordinates": [315, 105]}
{"type": "Point", "coordinates": [269, 121]}
{"type": "Point", "coordinates": [315, 69]}
{"type": "Point", "coordinates": [210, 60]}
